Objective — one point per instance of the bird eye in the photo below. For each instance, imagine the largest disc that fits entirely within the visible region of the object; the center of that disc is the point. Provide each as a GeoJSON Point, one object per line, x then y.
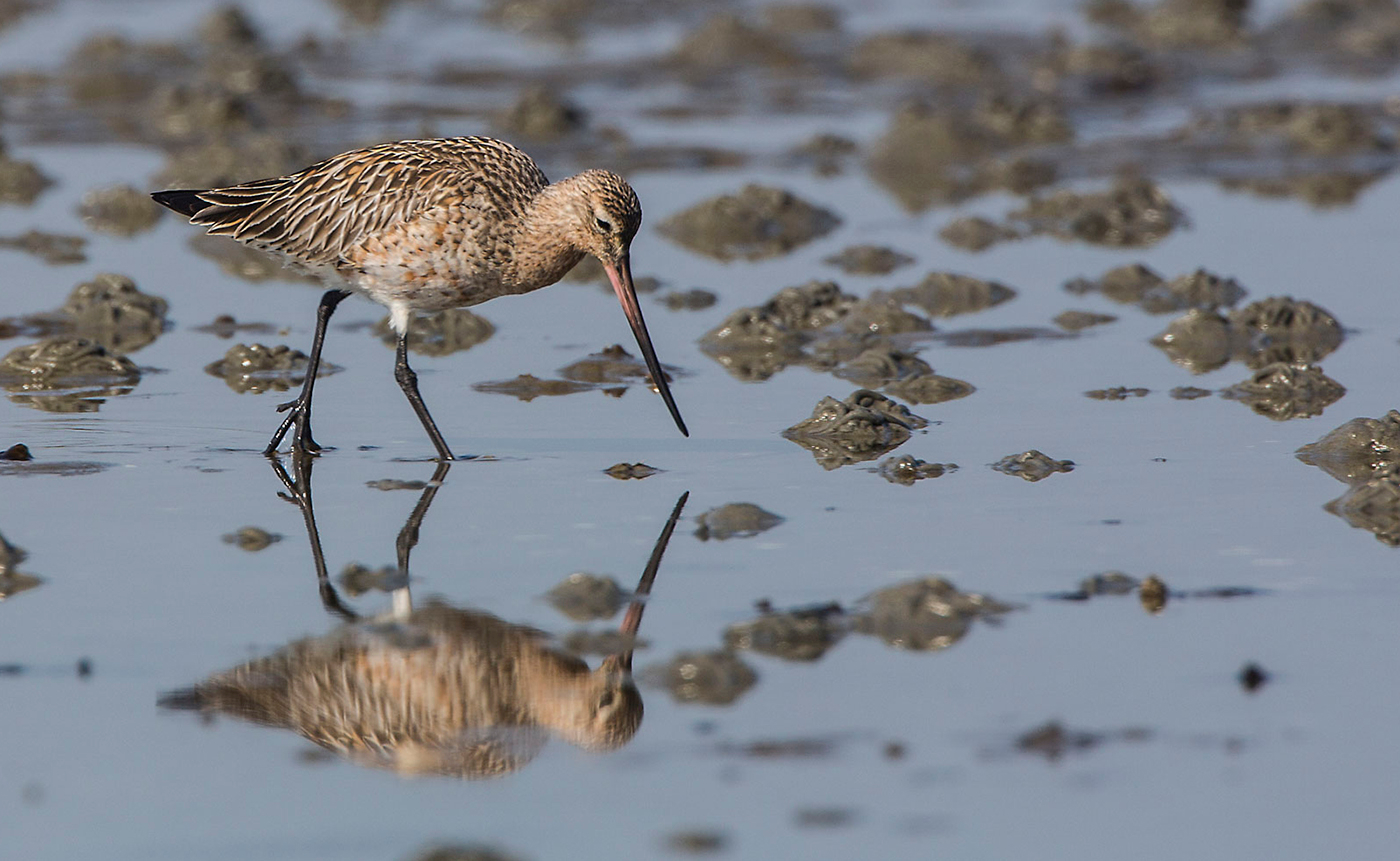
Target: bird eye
{"type": "Point", "coordinates": [606, 700]}
{"type": "Point", "coordinates": [604, 225]}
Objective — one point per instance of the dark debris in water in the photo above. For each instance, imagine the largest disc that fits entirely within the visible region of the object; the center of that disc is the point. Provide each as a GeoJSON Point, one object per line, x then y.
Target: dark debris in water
{"type": "Point", "coordinates": [1053, 740]}
{"type": "Point", "coordinates": [461, 851]}
{"type": "Point", "coordinates": [695, 841]}
{"type": "Point", "coordinates": [1152, 591]}
{"type": "Point", "coordinates": [252, 538]}
{"type": "Point", "coordinates": [226, 326]}
{"type": "Point", "coordinates": [1189, 393]}
{"type": "Point", "coordinates": [1032, 465]}
{"type": "Point", "coordinates": [357, 579]}
{"type": "Point", "coordinates": [625, 471]}
{"type": "Point", "coordinates": [388, 484]}
{"type": "Point", "coordinates": [824, 817]}
{"type": "Point", "coordinates": [1117, 393]}
{"type": "Point", "coordinates": [1252, 677]}
{"type": "Point", "coordinates": [782, 748]}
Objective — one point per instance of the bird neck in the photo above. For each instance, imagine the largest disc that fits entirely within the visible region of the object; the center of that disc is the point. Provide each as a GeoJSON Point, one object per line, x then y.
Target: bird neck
{"type": "Point", "coordinates": [545, 249]}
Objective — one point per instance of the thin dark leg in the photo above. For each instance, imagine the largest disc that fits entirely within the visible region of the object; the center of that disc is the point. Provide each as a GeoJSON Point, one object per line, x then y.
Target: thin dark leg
{"type": "Point", "coordinates": [299, 410]}
{"type": "Point", "coordinates": [408, 381]}
{"type": "Point", "coordinates": [299, 492]}
{"type": "Point", "coordinates": [408, 535]}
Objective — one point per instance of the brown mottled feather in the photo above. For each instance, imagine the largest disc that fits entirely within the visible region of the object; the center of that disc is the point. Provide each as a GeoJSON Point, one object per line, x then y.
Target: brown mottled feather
{"type": "Point", "coordinates": [317, 215]}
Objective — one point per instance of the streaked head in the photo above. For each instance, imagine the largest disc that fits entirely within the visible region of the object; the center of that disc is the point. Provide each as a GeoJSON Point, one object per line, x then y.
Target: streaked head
{"type": "Point", "coordinates": [604, 214]}
{"type": "Point", "coordinates": [607, 215]}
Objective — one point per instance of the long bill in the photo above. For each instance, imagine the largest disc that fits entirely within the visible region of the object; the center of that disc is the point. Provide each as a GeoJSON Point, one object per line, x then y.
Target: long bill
{"type": "Point", "coordinates": [620, 275]}
{"type": "Point", "coordinates": [632, 620]}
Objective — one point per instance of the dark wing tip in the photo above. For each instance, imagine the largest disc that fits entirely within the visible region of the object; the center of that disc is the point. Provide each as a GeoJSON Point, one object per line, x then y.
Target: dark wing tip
{"type": "Point", "coordinates": [187, 202]}
{"type": "Point", "coordinates": [185, 700]}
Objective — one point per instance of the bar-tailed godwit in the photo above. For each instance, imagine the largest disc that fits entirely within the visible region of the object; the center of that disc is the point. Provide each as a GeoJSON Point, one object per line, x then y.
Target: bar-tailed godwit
{"type": "Point", "coordinates": [427, 225]}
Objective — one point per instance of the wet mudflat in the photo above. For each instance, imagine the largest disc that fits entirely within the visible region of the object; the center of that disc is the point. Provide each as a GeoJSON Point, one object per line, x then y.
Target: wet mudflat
{"type": "Point", "coordinates": [925, 595]}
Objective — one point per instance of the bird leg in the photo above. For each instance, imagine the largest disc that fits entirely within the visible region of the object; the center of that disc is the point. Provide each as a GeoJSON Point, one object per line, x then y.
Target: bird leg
{"type": "Point", "coordinates": [299, 410]}
{"type": "Point", "coordinates": [298, 486]}
{"type": "Point", "coordinates": [408, 381]}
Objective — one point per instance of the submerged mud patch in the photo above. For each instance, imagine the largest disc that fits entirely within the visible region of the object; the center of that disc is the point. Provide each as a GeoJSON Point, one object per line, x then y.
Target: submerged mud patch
{"type": "Point", "coordinates": [440, 334]}
{"type": "Point", "coordinates": [1136, 284]}
{"type": "Point", "coordinates": [1284, 391]}
{"type": "Point", "coordinates": [803, 634]}
{"type": "Point", "coordinates": [757, 223]}
{"type": "Point", "coordinates": [1373, 504]}
{"type": "Point", "coordinates": [527, 387]}
{"type": "Point", "coordinates": [1279, 329]}
{"type": "Point", "coordinates": [1132, 213]}
{"type": "Point", "coordinates": [109, 311]}
{"type": "Point", "coordinates": [924, 615]}
{"type": "Point", "coordinates": [66, 375]}
{"type": "Point", "coordinates": [52, 248]}
{"type": "Point", "coordinates": [948, 294]}
{"type": "Point", "coordinates": [119, 210]}
{"type": "Point", "coordinates": [256, 368]}
{"type": "Point", "coordinates": [1032, 465]}
{"type": "Point", "coordinates": [735, 520]}
{"type": "Point", "coordinates": [862, 427]}
{"type": "Point", "coordinates": [12, 580]}
{"type": "Point", "coordinates": [868, 260]}
{"type": "Point", "coordinates": [908, 469]}
{"type": "Point", "coordinates": [1355, 450]}
{"type": "Point", "coordinates": [585, 597]}
{"type": "Point", "coordinates": [716, 678]}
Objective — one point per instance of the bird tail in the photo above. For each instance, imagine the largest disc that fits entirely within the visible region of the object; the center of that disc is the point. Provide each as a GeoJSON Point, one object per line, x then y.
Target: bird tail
{"type": "Point", "coordinates": [187, 202]}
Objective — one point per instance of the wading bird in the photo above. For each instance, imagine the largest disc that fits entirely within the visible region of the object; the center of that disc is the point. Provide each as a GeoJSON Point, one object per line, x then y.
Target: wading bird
{"type": "Point", "coordinates": [427, 225]}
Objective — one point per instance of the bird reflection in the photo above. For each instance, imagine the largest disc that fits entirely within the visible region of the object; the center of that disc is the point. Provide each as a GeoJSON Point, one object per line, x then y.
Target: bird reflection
{"type": "Point", "coordinates": [433, 690]}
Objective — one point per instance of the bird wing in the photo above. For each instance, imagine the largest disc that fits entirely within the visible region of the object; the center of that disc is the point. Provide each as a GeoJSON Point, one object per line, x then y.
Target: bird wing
{"type": "Point", "coordinates": [317, 215]}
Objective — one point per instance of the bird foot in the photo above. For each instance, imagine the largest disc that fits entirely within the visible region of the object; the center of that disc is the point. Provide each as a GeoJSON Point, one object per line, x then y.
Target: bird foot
{"type": "Point", "coordinates": [299, 417]}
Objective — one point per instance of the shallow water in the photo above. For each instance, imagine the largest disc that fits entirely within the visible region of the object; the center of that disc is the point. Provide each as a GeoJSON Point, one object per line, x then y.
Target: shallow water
{"type": "Point", "coordinates": [1206, 494]}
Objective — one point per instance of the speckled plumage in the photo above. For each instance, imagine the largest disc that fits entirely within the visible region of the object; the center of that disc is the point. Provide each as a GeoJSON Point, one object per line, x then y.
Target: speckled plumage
{"type": "Point", "coordinates": [445, 690]}
{"type": "Point", "coordinates": [427, 225]}
{"type": "Point", "coordinates": [422, 224]}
